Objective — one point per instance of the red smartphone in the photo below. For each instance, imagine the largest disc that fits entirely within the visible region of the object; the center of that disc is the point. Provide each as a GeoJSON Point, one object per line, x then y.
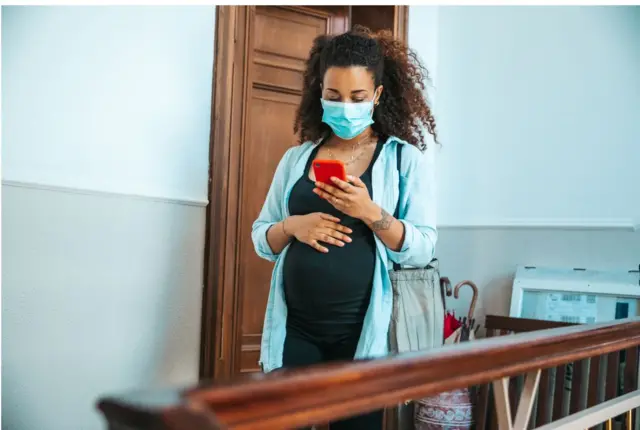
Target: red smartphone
{"type": "Point", "coordinates": [325, 169]}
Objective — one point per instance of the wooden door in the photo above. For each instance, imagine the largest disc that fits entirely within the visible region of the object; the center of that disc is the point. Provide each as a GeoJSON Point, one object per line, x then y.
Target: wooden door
{"type": "Point", "coordinates": [260, 60]}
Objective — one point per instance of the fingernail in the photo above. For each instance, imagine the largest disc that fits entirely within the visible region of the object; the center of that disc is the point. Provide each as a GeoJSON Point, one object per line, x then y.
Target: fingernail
{"type": "Point", "coordinates": [349, 240]}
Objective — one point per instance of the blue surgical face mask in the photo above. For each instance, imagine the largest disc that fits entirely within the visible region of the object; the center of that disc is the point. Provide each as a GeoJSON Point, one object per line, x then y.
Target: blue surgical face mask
{"type": "Point", "coordinates": [347, 120]}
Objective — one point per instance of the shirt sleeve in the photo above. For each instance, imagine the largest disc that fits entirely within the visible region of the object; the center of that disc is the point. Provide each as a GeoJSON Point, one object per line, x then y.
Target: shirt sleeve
{"type": "Point", "coordinates": [417, 202]}
{"type": "Point", "coordinates": [272, 210]}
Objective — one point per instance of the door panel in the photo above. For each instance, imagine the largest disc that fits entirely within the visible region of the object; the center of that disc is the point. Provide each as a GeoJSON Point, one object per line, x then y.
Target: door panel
{"type": "Point", "coordinates": [287, 32]}
{"type": "Point", "coordinates": [287, 75]}
{"type": "Point", "coordinates": [271, 116]}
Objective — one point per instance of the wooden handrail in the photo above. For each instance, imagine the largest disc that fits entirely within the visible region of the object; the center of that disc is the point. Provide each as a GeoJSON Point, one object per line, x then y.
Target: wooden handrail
{"type": "Point", "coordinates": [295, 398]}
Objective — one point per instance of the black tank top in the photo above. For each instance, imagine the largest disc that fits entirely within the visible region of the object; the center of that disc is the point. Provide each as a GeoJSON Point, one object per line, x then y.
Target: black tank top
{"type": "Point", "coordinates": [328, 294]}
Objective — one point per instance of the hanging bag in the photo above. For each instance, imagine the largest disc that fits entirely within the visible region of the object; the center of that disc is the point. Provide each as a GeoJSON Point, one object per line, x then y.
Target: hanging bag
{"type": "Point", "coordinates": [417, 319]}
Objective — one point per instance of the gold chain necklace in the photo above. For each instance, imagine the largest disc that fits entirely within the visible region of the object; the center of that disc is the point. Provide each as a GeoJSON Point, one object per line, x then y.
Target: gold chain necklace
{"type": "Point", "coordinates": [353, 157]}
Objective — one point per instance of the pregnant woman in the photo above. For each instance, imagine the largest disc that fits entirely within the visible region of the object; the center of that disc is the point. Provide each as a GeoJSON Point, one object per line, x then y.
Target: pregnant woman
{"type": "Point", "coordinates": [331, 298]}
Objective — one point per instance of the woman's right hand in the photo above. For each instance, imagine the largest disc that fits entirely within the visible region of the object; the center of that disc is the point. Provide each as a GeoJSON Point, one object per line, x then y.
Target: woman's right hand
{"type": "Point", "coordinates": [315, 228]}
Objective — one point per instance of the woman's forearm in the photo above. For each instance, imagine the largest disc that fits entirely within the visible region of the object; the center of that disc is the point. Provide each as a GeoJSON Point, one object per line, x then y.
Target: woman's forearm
{"type": "Point", "coordinates": [386, 227]}
{"type": "Point", "coordinates": [278, 236]}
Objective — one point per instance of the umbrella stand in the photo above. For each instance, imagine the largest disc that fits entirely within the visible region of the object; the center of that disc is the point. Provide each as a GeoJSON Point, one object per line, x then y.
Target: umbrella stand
{"type": "Point", "coordinates": [451, 410]}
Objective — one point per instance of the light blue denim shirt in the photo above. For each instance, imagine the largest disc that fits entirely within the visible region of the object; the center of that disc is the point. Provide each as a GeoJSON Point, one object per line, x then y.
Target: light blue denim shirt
{"type": "Point", "coordinates": [413, 189]}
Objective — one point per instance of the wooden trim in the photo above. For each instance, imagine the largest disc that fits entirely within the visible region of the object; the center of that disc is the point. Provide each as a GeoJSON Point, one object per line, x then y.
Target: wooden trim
{"type": "Point", "coordinates": [244, 55]}
{"type": "Point", "coordinates": [218, 298]}
{"type": "Point", "coordinates": [269, 63]}
{"type": "Point", "coordinates": [401, 23]}
{"type": "Point", "coordinates": [279, 88]}
{"type": "Point", "coordinates": [309, 11]}
{"type": "Point", "coordinates": [214, 230]}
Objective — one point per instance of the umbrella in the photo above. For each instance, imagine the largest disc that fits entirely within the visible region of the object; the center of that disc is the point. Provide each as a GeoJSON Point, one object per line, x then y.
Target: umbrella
{"type": "Point", "coordinates": [451, 323]}
{"type": "Point", "coordinates": [465, 328]}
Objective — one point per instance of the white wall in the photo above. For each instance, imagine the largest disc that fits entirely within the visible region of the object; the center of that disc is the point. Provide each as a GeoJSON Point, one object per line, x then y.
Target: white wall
{"type": "Point", "coordinates": [105, 137]}
{"type": "Point", "coordinates": [539, 108]}
{"type": "Point", "coordinates": [515, 90]}
{"type": "Point", "coordinates": [133, 84]}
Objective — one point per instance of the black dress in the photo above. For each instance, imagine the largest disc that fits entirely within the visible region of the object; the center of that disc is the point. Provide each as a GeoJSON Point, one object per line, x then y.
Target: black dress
{"type": "Point", "coordinates": [328, 295]}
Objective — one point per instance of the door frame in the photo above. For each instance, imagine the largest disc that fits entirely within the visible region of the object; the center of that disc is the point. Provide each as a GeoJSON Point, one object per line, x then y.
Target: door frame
{"type": "Point", "coordinates": [221, 224]}
{"type": "Point", "coordinates": [231, 69]}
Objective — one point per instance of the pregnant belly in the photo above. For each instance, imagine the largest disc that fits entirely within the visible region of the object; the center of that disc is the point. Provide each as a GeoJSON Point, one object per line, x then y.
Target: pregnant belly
{"type": "Point", "coordinates": [331, 287]}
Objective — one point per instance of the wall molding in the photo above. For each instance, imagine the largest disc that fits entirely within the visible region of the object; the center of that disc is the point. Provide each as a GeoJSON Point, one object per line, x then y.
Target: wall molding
{"type": "Point", "coordinates": [593, 224]}
{"type": "Point", "coordinates": [622, 224]}
{"type": "Point", "coordinates": [100, 193]}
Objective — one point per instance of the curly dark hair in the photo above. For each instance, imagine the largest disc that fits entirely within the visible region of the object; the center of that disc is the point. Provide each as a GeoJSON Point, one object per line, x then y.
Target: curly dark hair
{"type": "Point", "coordinates": [403, 110]}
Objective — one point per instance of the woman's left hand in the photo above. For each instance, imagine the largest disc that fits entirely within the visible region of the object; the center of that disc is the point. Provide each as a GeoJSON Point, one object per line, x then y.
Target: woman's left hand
{"type": "Point", "coordinates": [351, 198]}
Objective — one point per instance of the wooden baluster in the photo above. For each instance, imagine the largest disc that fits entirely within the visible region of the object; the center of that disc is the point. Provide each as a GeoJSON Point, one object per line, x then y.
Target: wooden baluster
{"type": "Point", "coordinates": [514, 395]}
{"type": "Point", "coordinates": [631, 380]}
{"type": "Point", "coordinates": [390, 420]}
{"type": "Point", "coordinates": [493, 415]}
{"type": "Point", "coordinates": [594, 379]}
{"type": "Point", "coordinates": [543, 414]}
{"type": "Point", "coordinates": [575, 404]}
{"type": "Point", "coordinates": [494, 420]}
{"type": "Point", "coordinates": [631, 370]}
{"type": "Point", "coordinates": [611, 384]}
{"type": "Point", "coordinates": [558, 393]}
{"type": "Point", "coordinates": [594, 383]}
{"type": "Point", "coordinates": [611, 387]}
{"type": "Point", "coordinates": [482, 405]}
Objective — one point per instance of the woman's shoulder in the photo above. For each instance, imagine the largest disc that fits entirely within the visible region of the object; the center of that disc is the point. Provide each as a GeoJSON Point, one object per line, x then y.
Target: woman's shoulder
{"type": "Point", "coordinates": [409, 153]}
{"type": "Point", "coordinates": [293, 154]}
